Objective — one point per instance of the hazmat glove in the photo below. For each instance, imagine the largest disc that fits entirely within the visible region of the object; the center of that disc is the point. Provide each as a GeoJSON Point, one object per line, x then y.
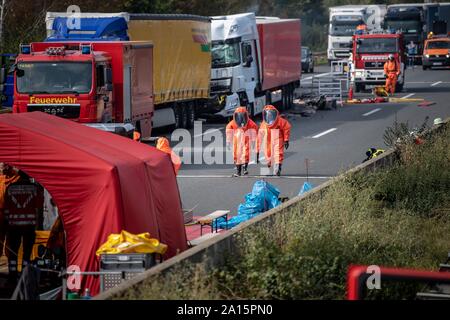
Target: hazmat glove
{"type": "Point", "coordinates": [257, 157]}
{"type": "Point", "coordinates": [286, 145]}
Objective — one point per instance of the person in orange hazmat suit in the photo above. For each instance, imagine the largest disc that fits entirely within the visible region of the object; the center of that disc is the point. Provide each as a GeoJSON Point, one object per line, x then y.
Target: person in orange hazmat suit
{"type": "Point", "coordinates": [392, 71]}
{"type": "Point", "coordinates": [241, 133]}
{"type": "Point", "coordinates": [273, 135]}
{"type": "Point", "coordinates": [163, 145]}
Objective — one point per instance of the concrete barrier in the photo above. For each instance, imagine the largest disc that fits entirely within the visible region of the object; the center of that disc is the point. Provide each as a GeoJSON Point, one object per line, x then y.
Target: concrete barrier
{"type": "Point", "coordinates": [213, 251]}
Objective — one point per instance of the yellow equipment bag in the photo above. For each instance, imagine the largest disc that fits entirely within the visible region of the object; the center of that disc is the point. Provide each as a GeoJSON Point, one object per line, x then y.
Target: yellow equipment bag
{"type": "Point", "coordinates": [380, 92]}
{"type": "Point", "coordinates": [126, 242]}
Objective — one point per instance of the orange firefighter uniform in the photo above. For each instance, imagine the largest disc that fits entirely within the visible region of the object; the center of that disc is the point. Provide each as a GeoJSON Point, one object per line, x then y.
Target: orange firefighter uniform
{"type": "Point", "coordinates": [23, 208]}
{"type": "Point", "coordinates": [361, 29]}
{"type": "Point", "coordinates": [273, 135]}
{"type": "Point", "coordinates": [136, 136]}
{"type": "Point", "coordinates": [392, 71]}
{"type": "Point", "coordinates": [164, 146]}
{"type": "Point", "coordinates": [5, 181]}
{"type": "Point", "coordinates": [241, 133]}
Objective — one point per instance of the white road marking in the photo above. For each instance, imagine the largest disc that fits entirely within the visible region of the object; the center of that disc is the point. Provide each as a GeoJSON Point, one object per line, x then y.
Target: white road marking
{"type": "Point", "coordinates": [210, 131]}
{"type": "Point", "coordinates": [409, 96]}
{"type": "Point", "coordinates": [324, 133]}
{"type": "Point", "coordinates": [371, 112]}
{"type": "Point", "coordinates": [318, 76]}
{"type": "Point", "coordinates": [436, 83]}
{"type": "Point", "coordinates": [251, 176]}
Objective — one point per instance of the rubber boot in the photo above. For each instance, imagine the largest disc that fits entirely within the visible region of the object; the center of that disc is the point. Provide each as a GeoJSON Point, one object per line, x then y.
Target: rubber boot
{"type": "Point", "coordinates": [238, 171]}
{"type": "Point", "coordinates": [277, 169]}
{"type": "Point", "coordinates": [245, 169]}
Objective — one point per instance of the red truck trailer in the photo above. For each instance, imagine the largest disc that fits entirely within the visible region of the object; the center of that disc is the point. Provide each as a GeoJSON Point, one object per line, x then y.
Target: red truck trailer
{"type": "Point", "coordinates": [255, 61]}
{"type": "Point", "coordinates": [280, 44]}
{"type": "Point", "coordinates": [107, 85]}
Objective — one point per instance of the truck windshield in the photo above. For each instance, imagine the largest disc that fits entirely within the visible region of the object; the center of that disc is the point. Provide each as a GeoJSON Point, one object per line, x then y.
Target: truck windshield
{"type": "Point", "coordinates": [438, 45]}
{"type": "Point", "coordinates": [55, 77]}
{"type": "Point", "coordinates": [344, 28]}
{"type": "Point", "coordinates": [405, 26]}
{"type": "Point", "coordinates": [225, 54]}
{"type": "Point", "coordinates": [377, 45]}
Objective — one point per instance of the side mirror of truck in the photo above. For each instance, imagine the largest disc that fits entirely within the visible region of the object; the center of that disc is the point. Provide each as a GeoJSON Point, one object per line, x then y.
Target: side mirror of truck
{"type": "Point", "coordinates": [108, 78]}
{"type": "Point", "coordinates": [248, 62]}
{"type": "Point", "coordinates": [20, 73]}
{"type": "Point", "coordinates": [2, 75]}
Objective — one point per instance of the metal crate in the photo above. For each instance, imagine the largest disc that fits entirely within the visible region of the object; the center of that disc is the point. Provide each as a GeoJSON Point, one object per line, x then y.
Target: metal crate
{"type": "Point", "coordinates": [113, 279]}
{"type": "Point", "coordinates": [134, 262]}
{"type": "Point", "coordinates": [116, 268]}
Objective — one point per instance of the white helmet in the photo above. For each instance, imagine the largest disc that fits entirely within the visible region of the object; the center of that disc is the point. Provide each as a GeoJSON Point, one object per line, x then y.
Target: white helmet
{"type": "Point", "coordinates": [391, 57]}
{"type": "Point", "coordinates": [438, 121]}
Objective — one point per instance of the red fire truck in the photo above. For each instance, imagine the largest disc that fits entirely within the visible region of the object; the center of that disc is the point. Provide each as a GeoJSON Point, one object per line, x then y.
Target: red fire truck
{"type": "Point", "coordinates": [107, 85]}
{"type": "Point", "coordinates": [370, 52]}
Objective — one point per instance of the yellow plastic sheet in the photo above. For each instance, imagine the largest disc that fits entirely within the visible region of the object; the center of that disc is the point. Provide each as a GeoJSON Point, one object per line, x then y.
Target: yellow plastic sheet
{"type": "Point", "coordinates": [126, 242]}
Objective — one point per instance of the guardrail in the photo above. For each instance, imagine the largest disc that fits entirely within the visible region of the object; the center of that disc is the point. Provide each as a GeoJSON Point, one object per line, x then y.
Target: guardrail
{"type": "Point", "coordinates": [213, 251]}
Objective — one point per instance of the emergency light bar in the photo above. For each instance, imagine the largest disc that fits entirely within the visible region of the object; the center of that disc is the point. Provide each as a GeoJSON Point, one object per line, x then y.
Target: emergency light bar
{"type": "Point", "coordinates": [25, 48]}
{"type": "Point", "coordinates": [55, 51]}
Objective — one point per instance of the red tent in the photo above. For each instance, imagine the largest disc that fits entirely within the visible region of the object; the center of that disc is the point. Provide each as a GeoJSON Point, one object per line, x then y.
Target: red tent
{"type": "Point", "coordinates": [102, 183]}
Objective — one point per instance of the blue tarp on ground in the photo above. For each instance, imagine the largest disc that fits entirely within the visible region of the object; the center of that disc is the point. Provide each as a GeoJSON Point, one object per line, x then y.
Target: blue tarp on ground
{"type": "Point", "coordinates": [264, 197]}
{"type": "Point", "coordinates": [306, 187]}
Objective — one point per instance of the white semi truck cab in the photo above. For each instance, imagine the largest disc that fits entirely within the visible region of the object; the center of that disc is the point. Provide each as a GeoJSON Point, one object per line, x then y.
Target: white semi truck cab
{"type": "Point", "coordinates": [249, 65]}
{"type": "Point", "coordinates": [235, 71]}
{"type": "Point", "coordinates": [343, 24]}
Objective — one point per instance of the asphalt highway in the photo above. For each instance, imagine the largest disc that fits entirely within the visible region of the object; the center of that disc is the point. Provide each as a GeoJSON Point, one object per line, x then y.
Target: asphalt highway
{"type": "Point", "coordinates": [330, 141]}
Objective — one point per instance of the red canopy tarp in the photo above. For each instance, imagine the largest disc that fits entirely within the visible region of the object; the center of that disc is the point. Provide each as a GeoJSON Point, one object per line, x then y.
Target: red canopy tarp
{"type": "Point", "coordinates": [102, 183]}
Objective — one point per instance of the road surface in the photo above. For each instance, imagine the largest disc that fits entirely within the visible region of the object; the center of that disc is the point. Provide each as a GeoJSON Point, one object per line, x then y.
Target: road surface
{"type": "Point", "coordinates": [333, 141]}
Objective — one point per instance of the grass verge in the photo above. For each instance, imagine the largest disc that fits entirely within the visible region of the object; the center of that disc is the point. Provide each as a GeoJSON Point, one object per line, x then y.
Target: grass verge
{"type": "Point", "coordinates": [396, 217]}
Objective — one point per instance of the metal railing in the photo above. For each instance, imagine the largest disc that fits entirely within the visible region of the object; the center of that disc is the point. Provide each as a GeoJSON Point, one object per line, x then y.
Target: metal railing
{"type": "Point", "coordinates": [337, 83]}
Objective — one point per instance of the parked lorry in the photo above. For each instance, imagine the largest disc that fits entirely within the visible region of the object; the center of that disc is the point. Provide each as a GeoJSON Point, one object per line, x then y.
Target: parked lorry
{"type": "Point", "coordinates": [7, 80]}
{"type": "Point", "coordinates": [370, 53]}
{"type": "Point", "coordinates": [181, 56]}
{"type": "Point", "coordinates": [255, 61]}
{"type": "Point", "coordinates": [409, 20]}
{"type": "Point", "coordinates": [343, 23]}
{"type": "Point", "coordinates": [437, 18]}
{"type": "Point", "coordinates": [106, 85]}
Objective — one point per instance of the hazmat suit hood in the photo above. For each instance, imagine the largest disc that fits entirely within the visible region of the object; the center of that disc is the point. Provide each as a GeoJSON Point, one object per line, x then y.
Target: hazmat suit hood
{"type": "Point", "coordinates": [163, 145]}
{"type": "Point", "coordinates": [271, 116]}
{"type": "Point", "coordinates": [241, 117]}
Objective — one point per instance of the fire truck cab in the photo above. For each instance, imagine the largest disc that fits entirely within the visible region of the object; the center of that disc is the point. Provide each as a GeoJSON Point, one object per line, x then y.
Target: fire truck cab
{"type": "Point", "coordinates": [369, 54]}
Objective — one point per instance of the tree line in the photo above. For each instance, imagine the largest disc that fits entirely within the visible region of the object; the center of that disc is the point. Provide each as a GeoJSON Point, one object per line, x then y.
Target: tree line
{"type": "Point", "coordinates": [23, 20]}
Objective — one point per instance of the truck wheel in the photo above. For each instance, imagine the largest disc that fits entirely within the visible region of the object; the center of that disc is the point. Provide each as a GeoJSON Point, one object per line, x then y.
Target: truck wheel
{"type": "Point", "coordinates": [268, 98]}
{"type": "Point", "coordinates": [283, 99]}
{"type": "Point", "coordinates": [177, 113]}
{"type": "Point", "coordinates": [190, 115]}
{"type": "Point", "coordinates": [251, 110]}
{"type": "Point", "coordinates": [424, 68]}
{"type": "Point", "coordinates": [360, 87]}
{"type": "Point", "coordinates": [292, 97]}
{"type": "Point", "coordinates": [184, 115]}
